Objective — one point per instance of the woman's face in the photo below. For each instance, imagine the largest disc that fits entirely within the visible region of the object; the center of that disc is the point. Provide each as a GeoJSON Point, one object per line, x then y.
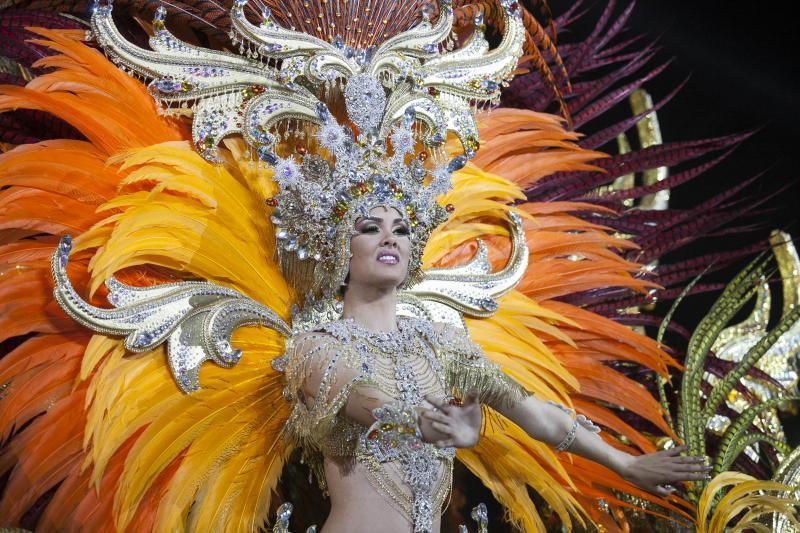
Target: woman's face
{"type": "Point", "coordinates": [380, 249]}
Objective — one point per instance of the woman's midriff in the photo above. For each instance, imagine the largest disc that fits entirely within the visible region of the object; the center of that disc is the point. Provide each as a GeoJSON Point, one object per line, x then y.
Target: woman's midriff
{"type": "Point", "coordinates": [359, 507]}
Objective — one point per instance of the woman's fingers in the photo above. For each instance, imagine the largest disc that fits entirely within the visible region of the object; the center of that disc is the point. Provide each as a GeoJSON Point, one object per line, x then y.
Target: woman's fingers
{"type": "Point", "coordinates": [680, 466]}
{"type": "Point", "coordinates": [675, 451]}
{"type": "Point", "coordinates": [693, 459]}
{"type": "Point", "coordinates": [442, 428]}
{"type": "Point", "coordinates": [435, 416]}
{"type": "Point", "coordinates": [664, 490]}
{"type": "Point", "coordinates": [471, 397]}
{"type": "Point", "coordinates": [439, 403]}
{"type": "Point", "coordinates": [687, 476]}
{"type": "Point", "coordinates": [448, 443]}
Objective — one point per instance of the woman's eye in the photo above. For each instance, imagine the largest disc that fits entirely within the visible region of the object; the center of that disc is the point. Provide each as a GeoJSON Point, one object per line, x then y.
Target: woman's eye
{"type": "Point", "coordinates": [369, 229]}
{"type": "Point", "coordinates": [401, 231]}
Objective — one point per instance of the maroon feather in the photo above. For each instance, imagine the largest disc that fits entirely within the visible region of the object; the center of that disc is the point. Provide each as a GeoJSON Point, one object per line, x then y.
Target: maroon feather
{"type": "Point", "coordinates": [14, 36]}
{"type": "Point", "coordinates": [568, 185]}
{"type": "Point", "coordinates": [592, 142]}
{"type": "Point", "coordinates": [616, 197]}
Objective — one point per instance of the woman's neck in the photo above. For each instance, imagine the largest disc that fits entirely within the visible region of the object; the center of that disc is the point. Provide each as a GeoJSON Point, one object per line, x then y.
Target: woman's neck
{"type": "Point", "coordinates": [373, 308]}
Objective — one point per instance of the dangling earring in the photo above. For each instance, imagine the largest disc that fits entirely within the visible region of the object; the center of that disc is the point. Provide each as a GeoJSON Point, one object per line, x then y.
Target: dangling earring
{"type": "Point", "coordinates": [343, 285]}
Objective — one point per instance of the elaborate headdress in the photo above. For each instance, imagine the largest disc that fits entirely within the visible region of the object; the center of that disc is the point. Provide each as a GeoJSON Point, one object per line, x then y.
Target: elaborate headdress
{"type": "Point", "coordinates": [283, 93]}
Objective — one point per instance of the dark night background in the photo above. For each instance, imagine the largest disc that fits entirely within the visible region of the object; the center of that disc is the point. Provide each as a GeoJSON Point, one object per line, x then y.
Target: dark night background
{"type": "Point", "coordinates": [744, 76]}
{"type": "Point", "coordinates": [740, 59]}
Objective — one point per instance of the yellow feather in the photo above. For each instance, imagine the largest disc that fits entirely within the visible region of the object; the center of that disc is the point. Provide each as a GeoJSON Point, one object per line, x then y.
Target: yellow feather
{"type": "Point", "coordinates": [445, 241]}
{"type": "Point", "coordinates": [746, 493]}
{"type": "Point", "coordinates": [204, 220]}
{"type": "Point", "coordinates": [97, 348]}
{"type": "Point", "coordinates": [126, 394]}
{"type": "Point", "coordinates": [252, 431]}
{"type": "Point", "coordinates": [508, 461]}
{"type": "Point", "coordinates": [192, 421]}
{"type": "Point", "coordinates": [194, 214]}
{"type": "Point", "coordinates": [160, 230]}
{"type": "Point", "coordinates": [539, 370]}
{"type": "Point", "coordinates": [475, 194]}
{"type": "Point", "coordinates": [519, 304]}
{"type": "Point", "coordinates": [208, 453]}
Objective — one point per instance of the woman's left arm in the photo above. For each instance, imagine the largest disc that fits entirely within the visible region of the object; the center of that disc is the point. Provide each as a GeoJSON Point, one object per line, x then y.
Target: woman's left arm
{"type": "Point", "coordinates": [653, 472]}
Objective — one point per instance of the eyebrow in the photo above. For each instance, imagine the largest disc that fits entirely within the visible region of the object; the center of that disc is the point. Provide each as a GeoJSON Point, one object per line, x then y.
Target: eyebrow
{"type": "Point", "coordinates": [379, 219]}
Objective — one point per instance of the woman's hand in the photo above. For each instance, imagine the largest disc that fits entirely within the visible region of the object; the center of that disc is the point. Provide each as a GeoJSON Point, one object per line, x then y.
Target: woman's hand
{"type": "Point", "coordinates": [655, 472]}
{"type": "Point", "coordinates": [455, 425]}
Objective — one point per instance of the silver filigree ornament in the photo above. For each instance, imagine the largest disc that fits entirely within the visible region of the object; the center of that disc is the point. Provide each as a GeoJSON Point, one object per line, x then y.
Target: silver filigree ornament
{"type": "Point", "coordinates": [195, 319]}
{"type": "Point", "coordinates": [406, 90]}
{"type": "Point", "coordinates": [272, 89]}
{"type": "Point", "coordinates": [365, 99]}
{"type": "Point", "coordinates": [472, 289]}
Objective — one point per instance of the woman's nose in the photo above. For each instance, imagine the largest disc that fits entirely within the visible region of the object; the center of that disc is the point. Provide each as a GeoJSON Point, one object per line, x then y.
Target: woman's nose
{"type": "Point", "coordinates": [389, 240]}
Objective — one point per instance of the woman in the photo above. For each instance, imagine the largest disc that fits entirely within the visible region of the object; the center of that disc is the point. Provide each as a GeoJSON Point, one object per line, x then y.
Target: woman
{"type": "Point", "coordinates": [363, 380]}
{"type": "Point", "coordinates": [358, 386]}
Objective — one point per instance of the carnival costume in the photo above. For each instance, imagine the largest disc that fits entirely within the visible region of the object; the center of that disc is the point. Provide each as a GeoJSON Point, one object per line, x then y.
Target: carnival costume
{"type": "Point", "coordinates": [216, 228]}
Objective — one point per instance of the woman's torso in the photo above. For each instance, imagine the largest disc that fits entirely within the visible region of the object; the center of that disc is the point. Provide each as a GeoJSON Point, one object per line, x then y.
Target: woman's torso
{"type": "Point", "coordinates": [367, 491]}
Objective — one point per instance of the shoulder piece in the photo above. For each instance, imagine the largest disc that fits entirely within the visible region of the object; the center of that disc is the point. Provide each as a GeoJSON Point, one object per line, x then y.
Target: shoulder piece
{"type": "Point", "coordinates": [446, 294]}
{"type": "Point", "coordinates": [467, 369]}
{"type": "Point", "coordinates": [196, 319]}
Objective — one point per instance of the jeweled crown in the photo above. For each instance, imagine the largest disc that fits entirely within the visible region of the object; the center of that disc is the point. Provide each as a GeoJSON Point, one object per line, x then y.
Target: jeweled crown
{"type": "Point", "coordinates": [284, 92]}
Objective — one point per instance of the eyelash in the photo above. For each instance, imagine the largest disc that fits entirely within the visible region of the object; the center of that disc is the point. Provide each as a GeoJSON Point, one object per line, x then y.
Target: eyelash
{"type": "Point", "coordinates": [403, 231]}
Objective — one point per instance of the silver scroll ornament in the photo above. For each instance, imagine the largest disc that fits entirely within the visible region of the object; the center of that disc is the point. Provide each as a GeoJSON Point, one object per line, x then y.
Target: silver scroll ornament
{"type": "Point", "coordinates": [196, 319]}
{"type": "Point", "coordinates": [279, 74]}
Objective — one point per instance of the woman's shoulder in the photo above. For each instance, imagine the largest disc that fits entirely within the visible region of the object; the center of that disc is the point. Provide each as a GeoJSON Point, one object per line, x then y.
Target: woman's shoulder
{"type": "Point", "coordinates": [447, 332]}
{"type": "Point", "coordinates": [320, 345]}
{"type": "Point", "coordinates": [454, 340]}
{"type": "Point", "coordinates": [325, 335]}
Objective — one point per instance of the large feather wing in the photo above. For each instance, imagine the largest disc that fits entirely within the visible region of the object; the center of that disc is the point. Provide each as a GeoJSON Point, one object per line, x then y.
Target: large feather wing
{"type": "Point", "coordinates": [109, 421]}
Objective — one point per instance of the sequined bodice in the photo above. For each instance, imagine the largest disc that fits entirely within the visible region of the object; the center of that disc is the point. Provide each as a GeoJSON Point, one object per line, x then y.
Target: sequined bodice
{"type": "Point", "coordinates": [407, 364]}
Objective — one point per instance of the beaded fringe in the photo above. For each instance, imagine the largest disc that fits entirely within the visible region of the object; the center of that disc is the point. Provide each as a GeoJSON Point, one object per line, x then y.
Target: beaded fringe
{"type": "Point", "coordinates": [494, 387]}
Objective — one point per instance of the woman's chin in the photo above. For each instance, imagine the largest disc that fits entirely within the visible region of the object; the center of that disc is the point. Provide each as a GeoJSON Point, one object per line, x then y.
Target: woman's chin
{"type": "Point", "coordinates": [386, 280]}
